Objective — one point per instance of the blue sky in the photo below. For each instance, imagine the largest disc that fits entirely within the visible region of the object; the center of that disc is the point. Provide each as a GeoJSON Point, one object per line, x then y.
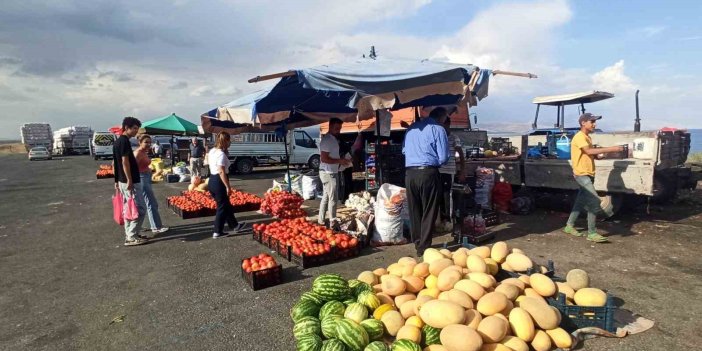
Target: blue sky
{"type": "Point", "coordinates": [75, 63]}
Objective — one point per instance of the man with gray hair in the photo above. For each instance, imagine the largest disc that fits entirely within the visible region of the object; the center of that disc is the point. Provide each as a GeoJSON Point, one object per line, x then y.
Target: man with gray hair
{"type": "Point", "coordinates": [197, 152]}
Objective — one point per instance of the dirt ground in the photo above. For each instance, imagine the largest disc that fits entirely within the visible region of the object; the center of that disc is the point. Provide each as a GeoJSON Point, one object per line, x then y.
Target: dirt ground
{"type": "Point", "coordinates": [69, 284]}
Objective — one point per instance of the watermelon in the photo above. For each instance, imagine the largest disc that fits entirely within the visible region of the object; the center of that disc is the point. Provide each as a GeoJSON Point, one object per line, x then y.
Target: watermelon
{"type": "Point", "coordinates": [361, 287]}
{"type": "Point", "coordinates": [368, 299]}
{"type": "Point", "coordinates": [405, 345]}
{"type": "Point", "coordinates": [332, 307]}
{"type": "Point", "coordinates": [304, 308]}
{"type": "Point", "coordinates": [309, 342]}
{"type": "Point", "coordinates": [307, 325]}
{"type": "Point", "coordinates": [351, 334]}
{"type": "Point", "coordinates": [333, 345]}
{"type": "Point", "coordinates": [309, 295]}
{"type": "Point", "coordinates": [331, 287]}
{"type": "Point", "coordinates": [353, 283]}
{"type": "Point", "coordinates": [430, 335]}
{"type": "Point", "coordinates": [374, 328]}
{"type": "Point", "coordinates": [349, 301]}
{"type": "Point", "coordinates": [356, 312]}
{"type": "Point", "coordinates": [329, 325]}
{"type": "Point", "coordinates": [377, 346]}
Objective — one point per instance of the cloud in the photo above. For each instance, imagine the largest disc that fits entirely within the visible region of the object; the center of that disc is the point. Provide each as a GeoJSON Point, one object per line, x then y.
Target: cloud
{"type": "Point", "coordinates": [649, 31]}
{"type": "Point", "coordinates": [209, 91]}
{"type": "Point", "coordinates": [613, 79]}
{"type": "Point", "coordinates": [690, 38]}
{"type": "Point", "coordinates": [179, 85]}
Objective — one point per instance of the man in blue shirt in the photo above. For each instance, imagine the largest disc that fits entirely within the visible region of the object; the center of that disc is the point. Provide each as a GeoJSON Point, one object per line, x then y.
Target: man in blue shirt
{"type": "Point", "coordinates": [426, 149]}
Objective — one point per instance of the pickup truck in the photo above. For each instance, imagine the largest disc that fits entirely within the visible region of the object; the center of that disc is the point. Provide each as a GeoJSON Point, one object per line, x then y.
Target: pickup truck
{"type": "Point", "coordinates": [249, 150]}
{"type": "Point", "coordinates": [657, 174]}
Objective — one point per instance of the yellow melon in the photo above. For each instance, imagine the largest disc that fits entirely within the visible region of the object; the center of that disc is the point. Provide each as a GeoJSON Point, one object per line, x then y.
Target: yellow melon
{"type": "Point", "coordinates": [393, 321]}
{"type": "Point", "coordinates": [415, 321]}
{"type": "Point", "coordinates": [541, 342]}
{"type": "Point", "coordinates": [544, 317]}
{"type": "Point", "coordinates": [508, 309]}
{"type": "Point", "coordinates": [457, 296]}
{"type": "Point", "coordinates": [475, 263]}
{"type": "Point", "coordinates": [431, 281]}
{"type": "Point", "coordinates": [590, 297]}
{"type": "Point", "coordinates": [566, 290]}
{"type": "Point", "coordinates": [482, 251]}
{"type": "Point", "coordinates": [409, 332]}
{"type": "Point", "coordinates": [516, 282]}
{"type": "Point", "coordinates": [380, 272]}
{"type": "Point", "coordinates": [473, 289]}
{"type": "Point", "coordinates": [515, 343]}
{"type": "Point", "coordinates": [578, 279]}
{"type": "Point", "coordinates": [395, 269]}
{"type": "Point", "coordinates": [485, 280]}
{"type": "Point", "coordinates": [368, 277]}
{"type": "Point", "coordinates": [473, 318]}
{"type": "Point", "coordinates": [459, 258]}
{"type": "Point", "coordinates": [407, 260]}
{"type": "Point", "coordinates": [393, 286]}
{"type": "Point", "coordinates": [430, 255]}
{"type": "Point", "coordinates": [509, 290]}
{"type": "Point", "coordinates": [525, 278]}
{"type": "Point", "coordinates": [532, 293]}
{"type": "Point", "coordinates": [460, 338]}
{"type": "Point", "coordinates": [521, 323]}
{"type": "Point", "coordinates": [440, 313]}
{"type": "Point", "coordinates": [439, 265]}
{"type": "Point", "coordinates": [421, 270]}
{"type": "Point", "coordinates": [560, 338]}
{"type": "Point", "coordinates": [542, 284]}
{"type": "Point", "coordinates": [492, 303]}
{"type": "Point", "coordinates": [385, 299]}
{"type": "Point", "coordinates": [413, 284]}
{"type": "Point", "coordinates": [420, 301]}
{"type": "Point", "coordinates": [378, 312]}
{"type": "Point", "coordinates": [408, 269]}
{"type": "Point", "coordinates": [495, 347]}
{"type": "Point", "coordinates": [518, 262]}
{"type": "Point", "coordinates": [407, 309]}
{"type": "Point", "coordinates": [492, 329]}
{"type": "Point", "coordinates": [446, 253]}
{"type": "Point", "coordinates": [400, 299]}
{"type": "Point", "coordinates": [432, 292]}
{"type": "Point", "coordinates": [506, 267]}
{"type": "Point", "coordinates": [492, 266]}
{"type": "Point", "coordinates": [499, 251]}
{"type": "Point", "coordinates": [447, 279]}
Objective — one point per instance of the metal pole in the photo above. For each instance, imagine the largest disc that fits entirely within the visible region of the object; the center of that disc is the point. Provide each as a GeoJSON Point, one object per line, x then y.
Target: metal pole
{"type": "Point", "coordinates": [287, 158]}
{"type": "Point", "coordinates": [637, 124]}
{"type": "Point", "coordinates": [378, 169]}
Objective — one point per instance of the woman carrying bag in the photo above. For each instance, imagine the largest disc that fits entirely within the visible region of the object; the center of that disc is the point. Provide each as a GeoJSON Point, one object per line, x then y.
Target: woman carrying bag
{"type": "Point", "coordinates": [220, 188]}
{"type": "Point", "coordinates": [143, 162]}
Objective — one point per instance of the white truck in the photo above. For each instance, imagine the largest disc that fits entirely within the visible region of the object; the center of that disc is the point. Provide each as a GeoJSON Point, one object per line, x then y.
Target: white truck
{"type": "Point", "coordinates": [36, 134]}
{"type": "Point", "coordinates": [101, 145]}
{"type": "Point", "coordinates": [249, 150]}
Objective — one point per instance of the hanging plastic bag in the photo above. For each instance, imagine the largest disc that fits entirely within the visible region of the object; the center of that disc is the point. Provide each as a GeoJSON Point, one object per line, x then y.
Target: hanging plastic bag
{"type": "Point", "coordinates": [117, 207]}
{"type": "Point", "coordinates": [501, 196]}
{"type": "Point", "coordinates": [131, 212]}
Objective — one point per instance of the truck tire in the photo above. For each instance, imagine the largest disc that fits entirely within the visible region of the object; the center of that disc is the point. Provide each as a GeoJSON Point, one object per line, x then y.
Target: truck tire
{"type": "Point", "coordinates": [314, 161]}
{"type": "Point", "coordinates": [244, 166]}
{"type": "Point", "coordinates": [664, 189]}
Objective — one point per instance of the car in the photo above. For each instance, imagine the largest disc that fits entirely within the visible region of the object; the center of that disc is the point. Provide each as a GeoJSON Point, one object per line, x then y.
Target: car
{"type": "Point", "coordinates": [39, 153]}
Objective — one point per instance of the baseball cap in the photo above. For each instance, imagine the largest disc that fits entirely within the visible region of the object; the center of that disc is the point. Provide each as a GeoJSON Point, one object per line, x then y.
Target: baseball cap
{"type": "Point", "coordinates": [587, 117]}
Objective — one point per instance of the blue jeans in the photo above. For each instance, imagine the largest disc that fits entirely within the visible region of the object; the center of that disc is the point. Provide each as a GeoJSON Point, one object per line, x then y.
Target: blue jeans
{"type": "Point", "coordinates": [132, 228]}
{"type": "Point", "coordinates": [587, 200]}
{"type": "Point", "coordinates": [150, 201]}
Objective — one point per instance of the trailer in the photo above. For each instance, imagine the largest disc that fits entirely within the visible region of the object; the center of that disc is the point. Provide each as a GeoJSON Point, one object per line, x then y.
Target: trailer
{"type": "Point", "coordinates": [36, 134]}
{"type": "Point", "coordinates": [656, 167]}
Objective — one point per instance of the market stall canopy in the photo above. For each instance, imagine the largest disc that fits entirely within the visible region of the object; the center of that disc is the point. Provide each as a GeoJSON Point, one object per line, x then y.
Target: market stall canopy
{"type": "Point", "coordinates": [171, 125]}
{"type": "Point", "coordinates": [365, 85]}
{"type": "Point", "coordinates": [573, 99]}
{"type": "Point", "coordinates": [116, 130]}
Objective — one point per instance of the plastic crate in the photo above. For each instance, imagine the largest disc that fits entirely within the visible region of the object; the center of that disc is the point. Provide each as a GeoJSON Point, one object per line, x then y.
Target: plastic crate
{"type": "Point", "coordinates": [550, 272]}
{"type": "Point", "coordinates": [187, 214]}
{"type": "Point", "coordinates": [349, 252]}
{"type": "Point", "coordinates": [264, 278]}
{"type": "Point", "coordinates": [576, 317]}
{"type": "Point", "coordinates": [491, 217]}
{"type": "Point", "coordinates": [257, 235]}
{"type": "Point", "coordinates": [305, 261]}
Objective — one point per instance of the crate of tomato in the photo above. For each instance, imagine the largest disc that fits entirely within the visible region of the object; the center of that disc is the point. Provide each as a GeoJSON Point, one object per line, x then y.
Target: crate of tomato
{"type": "Point", "coordinates": [184, 207]}
{"type": "Point", "coordinates": [261, 271]}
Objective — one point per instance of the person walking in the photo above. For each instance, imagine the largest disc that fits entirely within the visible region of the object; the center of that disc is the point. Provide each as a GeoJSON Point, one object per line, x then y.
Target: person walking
{"type": "Point", "coordinates": [143, 162]}
{"type": "Point", "coordinates": [448, 172]}
{"type": "Point", "coordinates": [156, 148]}
{"type": "Point", "coordinates": [220, 188]}
{"type": "Point", "coordinates": [329, 172]}
{"type": "Point", "coordinates": [582, 156]}
{"type": "Point", "coordinates": [426, 148]}
{"type": "Point", "coordinates": [127, 180]}
{"type": "Point", "coordinates": [197, 152]}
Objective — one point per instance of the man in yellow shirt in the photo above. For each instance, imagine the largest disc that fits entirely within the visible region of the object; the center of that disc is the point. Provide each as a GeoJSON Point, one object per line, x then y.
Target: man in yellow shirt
{"type": "Point", "coordinates": [582, 156]}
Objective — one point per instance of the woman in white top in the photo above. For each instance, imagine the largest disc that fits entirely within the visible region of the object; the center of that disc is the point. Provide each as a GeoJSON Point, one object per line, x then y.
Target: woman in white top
{"type": "Point", "coordinates": [219, 186]}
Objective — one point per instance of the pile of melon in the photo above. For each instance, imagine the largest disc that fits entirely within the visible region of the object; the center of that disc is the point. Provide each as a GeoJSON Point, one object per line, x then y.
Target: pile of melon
{"type": "Point", "coordinates": [451, 301]}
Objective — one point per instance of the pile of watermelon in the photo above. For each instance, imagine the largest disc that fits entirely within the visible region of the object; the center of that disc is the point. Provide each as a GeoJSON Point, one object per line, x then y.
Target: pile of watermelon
{"type": "Point", "coordinates": [342, 315]}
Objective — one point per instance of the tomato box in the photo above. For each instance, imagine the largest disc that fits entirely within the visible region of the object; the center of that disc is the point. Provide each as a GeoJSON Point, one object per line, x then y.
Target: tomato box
{"type": "Point", "coordinates": [187, 214]}
{"type": "Point", "coordinates": [307, 261]}
{"type": "Point", "coordinates": [263, 278]}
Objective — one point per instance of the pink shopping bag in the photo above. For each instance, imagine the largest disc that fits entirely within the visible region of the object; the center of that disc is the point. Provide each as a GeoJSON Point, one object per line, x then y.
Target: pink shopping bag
{"type": "Point", "coordinates": [117, 207]}
{"type": "Point", "coordinates": [131, 213]}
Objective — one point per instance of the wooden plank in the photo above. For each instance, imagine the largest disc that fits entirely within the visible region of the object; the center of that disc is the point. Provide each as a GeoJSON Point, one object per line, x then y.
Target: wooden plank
{"type": "Point", "coordinates": [272, 76]}
{"type": "Point", "coordinates": [515, 74]}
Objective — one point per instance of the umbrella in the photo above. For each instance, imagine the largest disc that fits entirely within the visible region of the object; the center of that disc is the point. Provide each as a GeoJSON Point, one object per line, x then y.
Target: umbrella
{"type": "Point", "coordinates": [170, 125]}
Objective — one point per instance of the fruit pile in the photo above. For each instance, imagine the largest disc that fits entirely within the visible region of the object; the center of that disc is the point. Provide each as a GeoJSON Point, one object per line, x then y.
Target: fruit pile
{"type": "Point", "coordinates": [238, 199]}
{"type": "Point", "coordinates": [449, 302]}
{"type": "Point", "coordinates": [258, 263]}
{"type": "Point", "coordinates": [105, 171]}
{"type": "Point", "coordinates": [282, 204]}
{"type": "Point", "coordinates": [308, 238]}
{"type": "Point", "coordinates": [204, 199]}
{"type": "Point", "coordinates": [184, 203]}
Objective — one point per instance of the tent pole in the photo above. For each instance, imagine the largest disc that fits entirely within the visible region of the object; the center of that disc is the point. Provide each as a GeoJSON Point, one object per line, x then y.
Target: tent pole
{"type": "Point", "coordinates": [287, 158]}
{"type": "Point", "coordinates": [378, 170]}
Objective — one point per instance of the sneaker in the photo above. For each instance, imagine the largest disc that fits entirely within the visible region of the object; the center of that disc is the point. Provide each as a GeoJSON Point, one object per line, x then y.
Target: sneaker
{"type": "Point", "coordinates": [160, 230]}
{"type": "Point", "coordinates": [241, 228]}
{"type": "Point", "coordinates": [135, 242]}
{"type": "Point", "coordinates": [594, 237]}
{"type": "Point", "coordinates": [572, 231]}
{"type": "Point", "coordinates": [216, 235]}
{"type": "Point", "coordinates": [139, 236]}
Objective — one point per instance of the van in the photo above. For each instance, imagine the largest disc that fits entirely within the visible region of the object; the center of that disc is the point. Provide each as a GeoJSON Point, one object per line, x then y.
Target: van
{"type": "Point", "coordinates": [102, 145]}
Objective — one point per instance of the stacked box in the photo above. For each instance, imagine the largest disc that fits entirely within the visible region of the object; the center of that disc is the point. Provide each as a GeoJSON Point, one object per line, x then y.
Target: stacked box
{"type": "Point", "coordinates": [72, 138]}
{"type": "Point", "coordinates": [36, 134]}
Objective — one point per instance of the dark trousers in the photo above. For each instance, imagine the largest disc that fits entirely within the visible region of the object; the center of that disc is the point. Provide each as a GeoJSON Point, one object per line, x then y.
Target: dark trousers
{"type": "Point", "coordinates": [423, 196]}
{"type": "Point", "coordinates": [445, 203]}
{"type": "Point", "coordinates": [346, 184]}
{"type": "Point", "coordinates": [225, 210]}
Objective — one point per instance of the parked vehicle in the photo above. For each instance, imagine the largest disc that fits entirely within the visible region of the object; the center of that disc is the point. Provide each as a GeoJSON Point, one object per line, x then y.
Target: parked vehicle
{"type": "Point", "coordinates": [249, 150]}
{"type": "Point", "coordinates": [656, 168]}
{"type": "Point", "coordinates": [73, 140]}
{"type": "Point", "coordinates": [101, 145]}
{"type": "Point", "coordinates": [39, 153]}
{"type": "Point", "coordinates": [36, 134]}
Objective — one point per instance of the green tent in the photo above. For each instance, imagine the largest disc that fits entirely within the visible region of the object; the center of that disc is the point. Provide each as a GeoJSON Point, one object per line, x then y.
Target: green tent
{"type": "Point", "coordinates": [170, 125]}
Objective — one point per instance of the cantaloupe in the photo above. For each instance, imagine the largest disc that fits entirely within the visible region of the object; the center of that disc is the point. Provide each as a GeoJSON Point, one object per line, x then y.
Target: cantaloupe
{"type": "Point", "coordinates": [413, 284]}
{"type": "Point", "coordinates": [590, 297]}
{"type": "Point", "coordinates": [499, 251]}
{"type": "Point", "coordinates": [482, 251]}
{"type": "Point", "coordinates": [509, 290]}
{"type": "Point", "coordinates": [542, 314]}
{"type": "Point", "coordinates": [407, 260]}
{"type": "Point", "coordinates": [420, 301]}
{"type": "Point", "coordinates": [393, 286]}
{"type": "Point", "coordinates": [409, 332]}
{"type": "Point", "coordinates": [521, 323]}
{"type": "Point", "coordinates": [516, 282]}
{"type": "Point", "coordinates": [447, 279]}
{"type": "Point", "coordinates": [542, 284]}
{"type": "Point", "coordinates": [439, 265]}
{"type": "Point", "coordinates": [400, 299]}
{"type": "Point", "coordinates": [446, 252]}
{"type": "Point", "coordinates": [491, 303]}
{"type": "Point", "coordinates": [475, 263]}
{"type": "Point", "coordinates": [379, 272]}
{"type": "Point", "coordinates": [460, 258]}
{"type": "Point", "coordinates": [395, 269]}
{"type": "Point", "coordinates": [378, 313]}
{"type": "Point", "coordinates": [433, 292]}
{"type": "Point", "coordinates": [457, 296]}
{"type": "Point", "coordinates": [541, 342]}
{"type": "Point", "coordinates": [495, 347]}
{"type": "Point", "coordinates": [578, 279]}
{"type": "Point", "coordinates": [385, 299]}
{"type": "Point", "coordinates": [485, 280]}
{"type": "Point", "coordinates": [407, 309]}
{"type": "Point", "coordinates": [473, 319]}
{"type": "Point", "coordinates": [473, 289]}
{"type": "Point", "coordinates": [560, 338]}
{"type": "Point", "coordinates": [492, 329]}
{"type": "Point", "coordinates": [441, 313]}
{"type": "Point", "coordinates": [368, 277]}
{"type": "Point", "coordinates": [566, 290]}
{"type": "Point", "coordinates": [377, 288]}
{"type": "Point", "coordinates": [515, 343]}
{"type": "Point", "coordinates": [415, 321]}
{"type": "Point", "coordinates": [430, 255]}
{"type": "Point", "coordinates": [421, 270]}
{"type": "Point", "coordinates": [408, 269]}
{"type": "Point", "coordinates": [393, 321]}
{"type": "Point", "coordinates": [518, 262]}
{"type": "Point", "coordinates": [458, 337]}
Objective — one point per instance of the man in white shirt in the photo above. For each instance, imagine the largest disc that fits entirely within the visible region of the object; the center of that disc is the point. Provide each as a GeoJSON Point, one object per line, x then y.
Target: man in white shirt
{"type": "Point", "coordinates": [329, 171]}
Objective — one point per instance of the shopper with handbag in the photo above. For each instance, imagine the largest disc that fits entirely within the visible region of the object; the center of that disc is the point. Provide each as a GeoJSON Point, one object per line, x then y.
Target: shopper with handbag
{"type": "Point", "coordinates": [128, 182]}
{"type": "Point", "coordinates": [150, 201]}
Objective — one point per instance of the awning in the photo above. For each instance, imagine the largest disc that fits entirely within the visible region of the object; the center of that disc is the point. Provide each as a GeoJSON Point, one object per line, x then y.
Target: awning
{"type": "Point", "coordinates": [171, 125]}
{"type": "Point", "coordinates": [573, 99]}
